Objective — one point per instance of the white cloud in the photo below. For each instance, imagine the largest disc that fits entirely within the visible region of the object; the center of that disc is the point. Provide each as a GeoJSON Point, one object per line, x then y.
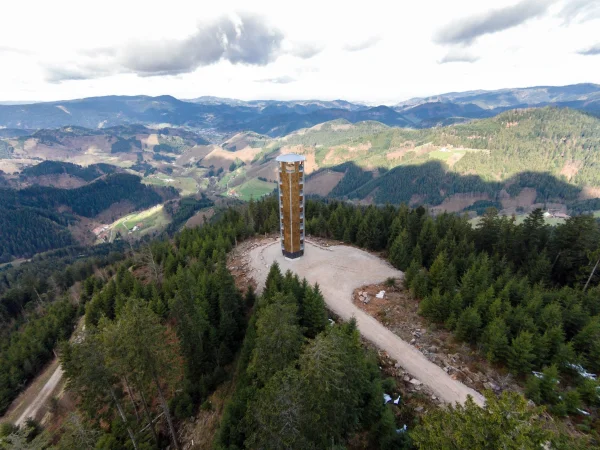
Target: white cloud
{"type": "Point", "coordinates": [278, 80]}
{"type": "Point", "coordinates": [362, 45]}
{"type": "Point", "coordinates": [591, 51]}
{"type": "Point", "coordinates": [291, 50]}
{"type": "Point", "coordinates": [465, 30]}
{"type": "Point", "coordinates": [458, 55]}
{"type": "Point", "coordinates": [247, 40]}
{"type": "Point", "coordinates": [305, 50]}
{"type": "Point", "coordinates": [579, 11]}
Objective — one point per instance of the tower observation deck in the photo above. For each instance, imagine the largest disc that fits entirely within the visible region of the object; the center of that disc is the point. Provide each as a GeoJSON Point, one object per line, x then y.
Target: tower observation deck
{"type": "Point", "coordinates": [291, 204]}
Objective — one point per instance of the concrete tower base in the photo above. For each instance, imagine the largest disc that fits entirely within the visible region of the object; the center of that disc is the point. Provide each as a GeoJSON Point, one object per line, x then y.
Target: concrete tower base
{"type": "Point", "coordinates": [294, 255]}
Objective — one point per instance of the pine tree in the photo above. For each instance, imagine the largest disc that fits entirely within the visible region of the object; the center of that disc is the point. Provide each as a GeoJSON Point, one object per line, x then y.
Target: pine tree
{"type": "Point", "coordinates": [550, 346]}
{"type": "Point", "coordinates": [506, 422]}
{"type": "Point", "coordinates": [441, 274]}
{"type": "Point", "coordinates": [278, 337]}
{"type": "Point", "coordinates": [587, 342]}
{"type": "Point", "coordinates": [88, 374]}
{"type": "Point", "coordinates": [336, 375]}
{"type": "Point", "coordinates": [468, 325]}
{"type": "Point", "coordinates": [495, 341]}
{"type": "Point", "coordinates": [428, 241]}
{"type": "Point", "coordinates": [419, 286]}
{"type": "Point", "coordinates": [434, 307]}
{"type": "Point", "coordinates": [314, 313]}
{"type": "Point", "coordinates": [274, 281]}
{"type": "Point", "coordinates": [522, 353]}
{"type": "Point", "coordinates": [401, 251]}
{"type": "Point", "coordinates": [250, 297]}
{"type": "Point", "coordinates": [278, 415]}
{"type": "Point", "coordinates": [155, 353]}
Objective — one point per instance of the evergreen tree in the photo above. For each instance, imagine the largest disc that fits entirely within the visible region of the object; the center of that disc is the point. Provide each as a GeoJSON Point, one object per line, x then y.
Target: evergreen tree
{"type": "Point", "coordinates": [495, 340]}
{"type": "Point", "coordinates": [154, 352]}
{"type": "Point", "coordinates": [468, 325]}
{"type": "Point", "coordinates": [441, 274]}
{"type": "Point", "coordinates": [314, 313]}
{"type": "Point", "coordinates": [522, 353]}
{"type": "Point", "coordinates": [278, 416]}
{"type": "Point", "coordinates": [401, 251]}
{"type": "Point", "coordinates": [587, 342]}
{"type": "Point", "coordinates": [435, 307]}
{"type": "Point", "coordinates": [278, 337]}
{"type": "Point", "coordinates": [506, 422]}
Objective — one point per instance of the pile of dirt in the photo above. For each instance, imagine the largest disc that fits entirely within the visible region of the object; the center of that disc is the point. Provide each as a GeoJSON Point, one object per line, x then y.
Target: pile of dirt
{"type": "Point", "coordinates": [238, 262]}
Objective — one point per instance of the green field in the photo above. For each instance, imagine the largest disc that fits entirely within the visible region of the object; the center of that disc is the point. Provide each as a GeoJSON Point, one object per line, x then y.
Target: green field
{"type": "Point", "coordinates": [229, 177]}
{"type": "Point", "coordinates": [552, 221]}
{"type": "Point", "coordinates": [185, 185]}
{"type": "Point", "coordinates": [445, 155]}
{"type": "Point", "coordinates": [254, 188]}
{"type": "Point", "coordinates": [152, 219]}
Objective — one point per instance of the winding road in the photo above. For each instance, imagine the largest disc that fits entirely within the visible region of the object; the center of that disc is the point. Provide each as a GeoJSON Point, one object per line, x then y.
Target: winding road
{"type": "Point", "coordinates": [340, 270]}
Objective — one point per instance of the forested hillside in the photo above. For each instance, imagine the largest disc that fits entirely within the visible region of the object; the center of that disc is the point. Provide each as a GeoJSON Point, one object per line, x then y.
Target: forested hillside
{"type": "Point", "coordinates": [35, 314]}
{"type": "Point", "coordinates": [194, 320]}
{"type": "Point", "coordinates": [303, 384]}
{"type": "Point", "coordinates": [430, 183]}
{"type": "Point", "coordinates": [555, 151]}
{"type": "Point", "coordinates": [31, 224]}
{"type": "Point", "coordinates": [519, 292]}
{"type": "Point", "coordinates": [86, 201]}
{"type": "Point", "coordinates": [26, 231]}
{"type": "Point", "coordinates": [527, 296]}
{"type": "Point", "coordinates": [88, 173]}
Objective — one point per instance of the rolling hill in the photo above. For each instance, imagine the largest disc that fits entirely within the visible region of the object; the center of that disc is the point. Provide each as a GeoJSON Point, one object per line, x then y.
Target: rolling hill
{"type": "Point", "coordinates": [514, 97]}
{"type": "Point", "coordinates": [39, 218]}
{"type": "Point", "coordinates": [453, 107]}
{"type": "Point", "coordinates": [219, 118]}
{"type": "Point", "coordinates": [515, 160]}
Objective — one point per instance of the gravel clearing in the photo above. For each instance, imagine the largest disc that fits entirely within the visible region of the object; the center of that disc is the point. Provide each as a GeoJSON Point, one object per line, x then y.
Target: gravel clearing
{"type": "Point", "coordinates": [340, 270]}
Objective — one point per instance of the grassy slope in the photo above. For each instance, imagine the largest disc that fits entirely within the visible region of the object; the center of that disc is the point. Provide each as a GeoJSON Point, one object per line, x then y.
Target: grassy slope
{"type": "Point", "coordinates": [253, 188]}
{"type": "Point", "coordinates": [544, 139]}
{"type": "Point", "coordinates": [153, 219]}
{"type": "Point", "coordinates": [185, 185]}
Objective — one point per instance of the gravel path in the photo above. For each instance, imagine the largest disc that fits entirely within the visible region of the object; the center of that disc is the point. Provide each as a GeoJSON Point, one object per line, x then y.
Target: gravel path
{"type": "Point", "coordinates": [340, 270]}
{"type": "Point", "coordinates": [41, 398]}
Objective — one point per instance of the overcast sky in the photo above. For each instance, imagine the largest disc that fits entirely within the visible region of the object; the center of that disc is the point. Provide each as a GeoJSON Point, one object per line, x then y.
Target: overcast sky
{"type": "Point", "coordinates": [377, 52]}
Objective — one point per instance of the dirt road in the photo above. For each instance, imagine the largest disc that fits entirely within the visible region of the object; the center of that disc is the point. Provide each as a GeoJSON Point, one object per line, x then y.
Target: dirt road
{"type": "Point", "coordinates": [31, 402]}
{"type": "Point", "coordinates": [42, 397]}
{"type": "Point", "coordinates": [340, 270]}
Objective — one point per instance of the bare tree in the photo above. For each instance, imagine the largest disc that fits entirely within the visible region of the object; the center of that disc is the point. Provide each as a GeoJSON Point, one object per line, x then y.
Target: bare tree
{"type": "Point", "coordinates": [593, 255]}
{"type": "Point", "coordinates": [152, 352]}
{"type": "Point", "coordinates": [88, 374]}
{"type": "Point", "coordinates": [147, 259]}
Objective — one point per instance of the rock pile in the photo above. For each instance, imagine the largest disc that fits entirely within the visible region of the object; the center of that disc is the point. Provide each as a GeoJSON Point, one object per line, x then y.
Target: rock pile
{"type": "Point", "coordinates": [364, 297]}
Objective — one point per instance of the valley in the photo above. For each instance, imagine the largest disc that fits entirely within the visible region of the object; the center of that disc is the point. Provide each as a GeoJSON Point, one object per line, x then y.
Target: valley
{"type": "Point", "coordinates": [477, 214]}
{"type": "Point", "coordinates": [549, 153]}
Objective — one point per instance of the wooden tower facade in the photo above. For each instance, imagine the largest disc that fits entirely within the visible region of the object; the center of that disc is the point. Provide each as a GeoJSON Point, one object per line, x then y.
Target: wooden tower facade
{"type": "Point", "coordinates": [291, 204]}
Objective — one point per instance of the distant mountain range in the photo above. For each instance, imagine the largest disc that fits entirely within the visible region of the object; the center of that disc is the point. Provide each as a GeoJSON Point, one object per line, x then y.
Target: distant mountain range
{"type": "Point", "coordinates": [511, 98]}
{"type": "Point", "coordinates": [220, 117]}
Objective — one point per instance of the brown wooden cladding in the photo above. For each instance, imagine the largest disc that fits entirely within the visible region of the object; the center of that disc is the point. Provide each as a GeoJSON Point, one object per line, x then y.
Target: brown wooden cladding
{"type": "Point", "coordinates": [291, 207]}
